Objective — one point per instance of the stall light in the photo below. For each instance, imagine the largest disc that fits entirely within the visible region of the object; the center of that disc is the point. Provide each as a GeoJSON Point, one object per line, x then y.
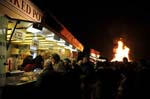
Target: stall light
{"type": "Point", "coordinates": [70, 46]}
{"type": "Point", "coordinates": [42, 48]}
{"type": "Point", "coordinates": [93, 54]}
{"type": "Point", "coordinates": [30, 38]}
{"type": "Point", "coordinates": [9, 32]}
{"type": "Point", "coordinates": [61, 43]}
{"type": "Point", "coordinates": [56, 47]}
{"type": "Point", "coordinates": [29, 35]}
{"type": "Point", "coordinates": [74, 50]}
{"type": "Point", "coordinates": [35, 28]}
{"type": "Point", "coordinates": [43, 40]}
{"type": "Point", "coordinates": [51, 34]}
{"type": "Point", "coordinates": [26, 43]}
{"type": "Point", "coordinates": [98, 56]}
{"type": "Point", "coordinates": [50, 39]}
{"type": "Point", "coordinates": [17, 41]}
{"type": "Point", "coordinates": [46, 42]}
{"type": "Point", "coordinates": [45, 45]}
{"type": "Point", "coordinates": [8, 36]}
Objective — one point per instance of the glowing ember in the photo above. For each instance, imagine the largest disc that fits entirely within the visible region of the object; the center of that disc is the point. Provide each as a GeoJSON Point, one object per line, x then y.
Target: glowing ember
{"type": "Point", "coordinates": [121, 52]}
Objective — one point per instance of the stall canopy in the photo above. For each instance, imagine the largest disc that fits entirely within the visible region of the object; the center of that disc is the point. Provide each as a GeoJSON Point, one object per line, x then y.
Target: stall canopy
{"type": "Point", "coordinates": [66, 34]}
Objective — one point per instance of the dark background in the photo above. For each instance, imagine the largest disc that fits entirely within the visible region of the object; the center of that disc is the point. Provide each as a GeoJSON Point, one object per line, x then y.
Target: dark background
{"type": "Point", "coordinates": [99, 24]}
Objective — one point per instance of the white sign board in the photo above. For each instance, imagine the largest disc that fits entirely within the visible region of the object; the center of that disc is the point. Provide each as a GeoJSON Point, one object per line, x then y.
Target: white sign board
{"type": "Point", "coordinates": [19, 35]}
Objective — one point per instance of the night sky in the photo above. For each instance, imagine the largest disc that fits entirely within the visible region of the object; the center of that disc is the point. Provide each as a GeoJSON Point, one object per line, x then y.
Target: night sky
{"type": "Point", "coordinates": [98, 25]}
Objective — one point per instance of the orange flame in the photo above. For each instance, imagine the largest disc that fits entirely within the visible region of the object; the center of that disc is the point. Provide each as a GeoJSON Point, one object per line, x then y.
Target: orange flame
{"type": "Point", "coordinates": [121, 52]}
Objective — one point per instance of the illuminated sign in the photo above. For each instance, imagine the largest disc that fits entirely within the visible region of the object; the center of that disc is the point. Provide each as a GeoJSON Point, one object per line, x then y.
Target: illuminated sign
{"type": "Point", "coordinates": [94, 54]}
{"type": "Point", "coordinates": [21, 9]}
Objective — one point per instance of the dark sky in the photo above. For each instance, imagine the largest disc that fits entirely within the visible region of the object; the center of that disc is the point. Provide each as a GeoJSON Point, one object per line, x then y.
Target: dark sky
{"type": "Point", "coordinates": [99, 24]}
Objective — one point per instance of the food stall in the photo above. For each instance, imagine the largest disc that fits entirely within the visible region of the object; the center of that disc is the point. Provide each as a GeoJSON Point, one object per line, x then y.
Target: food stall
{"type": "Point", "coordinates": [23, 32]}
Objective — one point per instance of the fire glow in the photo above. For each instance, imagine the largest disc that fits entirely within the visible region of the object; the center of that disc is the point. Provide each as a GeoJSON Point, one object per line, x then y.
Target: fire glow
{"type": "Point", "coordinates": [120, 52]}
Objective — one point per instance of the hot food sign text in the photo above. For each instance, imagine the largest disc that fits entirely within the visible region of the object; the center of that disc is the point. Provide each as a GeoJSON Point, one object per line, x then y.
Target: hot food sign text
{"type": "Point", "coordinates": [25, 7]}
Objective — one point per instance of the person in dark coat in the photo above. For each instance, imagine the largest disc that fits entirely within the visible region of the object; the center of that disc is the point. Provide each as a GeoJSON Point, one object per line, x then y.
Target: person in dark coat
{"type": "Point", "coordinates": [49, 84]}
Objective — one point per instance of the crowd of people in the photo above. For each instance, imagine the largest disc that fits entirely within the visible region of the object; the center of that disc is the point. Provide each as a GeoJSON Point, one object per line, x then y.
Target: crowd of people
{"type": "Point", "coordinates": [82, 79]}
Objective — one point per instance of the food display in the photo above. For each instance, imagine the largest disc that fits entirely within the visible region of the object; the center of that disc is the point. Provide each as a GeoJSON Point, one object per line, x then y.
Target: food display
{"type": "Point", "coordinates": [20, 77]}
